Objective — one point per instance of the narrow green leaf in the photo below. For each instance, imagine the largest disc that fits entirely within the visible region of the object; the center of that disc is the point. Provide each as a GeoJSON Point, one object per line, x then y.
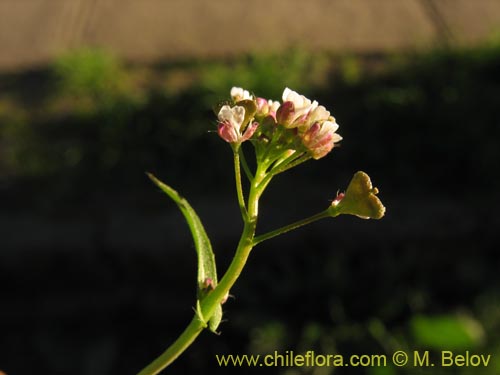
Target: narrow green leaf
{"type": "Point", "coordinates": [207, 273]}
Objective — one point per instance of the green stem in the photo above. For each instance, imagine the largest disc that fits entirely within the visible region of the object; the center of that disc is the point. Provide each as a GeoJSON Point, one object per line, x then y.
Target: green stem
{"type": "Point", "coordinates": [288, 164]}
{"type": "Point", "coordinates": [239, 188]}
{"type": "Point", "coordinates": [244, 163]}
{"type": "Point", "coordinates": [176, 349]}
{"type": "Point", "coordinates": [285, 160]}
{"type": "Point", "coordinates": [282, 167]}
{"type": "Point", "coordinates": [290, 227]}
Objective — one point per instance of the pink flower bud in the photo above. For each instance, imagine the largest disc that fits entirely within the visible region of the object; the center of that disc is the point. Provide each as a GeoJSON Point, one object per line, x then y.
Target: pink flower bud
{"type": "Point", "coordinates": [338, 198]}
{"type": "Point", "coordinates": [285, 114]}
{"type": "Point", "coordinates": [266, 108]}
{"type": "Point", "coordinates": [261, 105]}
{"type": "Point", "coordinates": [208, 284]}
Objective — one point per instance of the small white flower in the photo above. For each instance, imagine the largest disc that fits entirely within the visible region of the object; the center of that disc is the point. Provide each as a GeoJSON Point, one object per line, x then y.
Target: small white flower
{"type": "Point", "coordinates": [233, 116]}
{"type": "Point", "coordinates": [297, 113]}
{"type": "Point", "coordinates": [300, 102]}
{"type": "Point", "coordinates": [238, 94]}
{"type": "Point", "coordinates": [231, 123]}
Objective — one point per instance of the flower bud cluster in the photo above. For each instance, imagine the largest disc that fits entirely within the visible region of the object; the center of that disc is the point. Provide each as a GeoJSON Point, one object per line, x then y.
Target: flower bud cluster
{"type": "Point", "coordinates": [297, 124]}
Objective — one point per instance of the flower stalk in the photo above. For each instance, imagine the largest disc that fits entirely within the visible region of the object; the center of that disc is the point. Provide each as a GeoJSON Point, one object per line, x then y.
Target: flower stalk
{"type": "Point", "coordinates": [284, 136]}
{"type": "Point", "coordinates": [239, 187]}
{"type": "Point", "coordinates": [287, 228]}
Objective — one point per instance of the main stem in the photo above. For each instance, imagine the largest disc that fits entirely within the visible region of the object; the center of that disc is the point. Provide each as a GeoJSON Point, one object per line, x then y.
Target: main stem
{"type": "Point", "coordinates": [176, 349]}
{"type": "Point", "coordinates": [214, 298]}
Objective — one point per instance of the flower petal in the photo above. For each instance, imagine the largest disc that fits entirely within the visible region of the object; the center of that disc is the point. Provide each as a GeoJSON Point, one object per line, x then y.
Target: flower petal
{"type": "Point", "coordinates": [237, 94]}
{"type": "Point", "coordinates": [249, 131]}
{"type": "Point", "coordinates": [238, 116]}
{"type": "Point", "coordinates": [227, 132]}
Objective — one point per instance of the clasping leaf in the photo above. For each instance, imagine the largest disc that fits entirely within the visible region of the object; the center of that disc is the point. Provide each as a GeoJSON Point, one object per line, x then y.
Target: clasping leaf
{"type": "Point", "coordinates": [206, 259]}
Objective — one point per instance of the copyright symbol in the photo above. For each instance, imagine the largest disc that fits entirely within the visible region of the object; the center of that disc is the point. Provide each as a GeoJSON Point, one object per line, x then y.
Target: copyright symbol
{"type": "Point", "coordinates": [400, 358]}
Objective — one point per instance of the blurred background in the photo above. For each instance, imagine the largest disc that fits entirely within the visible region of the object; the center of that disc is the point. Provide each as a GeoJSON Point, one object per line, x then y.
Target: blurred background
{"type": "Point", "coordinates": [97, 267]}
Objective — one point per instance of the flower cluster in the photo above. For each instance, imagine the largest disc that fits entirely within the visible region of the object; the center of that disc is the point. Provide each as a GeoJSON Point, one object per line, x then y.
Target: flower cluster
{"type": "Point", "coordinates": [297, 124]}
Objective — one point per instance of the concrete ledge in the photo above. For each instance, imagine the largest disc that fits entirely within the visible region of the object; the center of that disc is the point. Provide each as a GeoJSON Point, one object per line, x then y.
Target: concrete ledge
{"type": "Point", "coordinates": [34, 31]}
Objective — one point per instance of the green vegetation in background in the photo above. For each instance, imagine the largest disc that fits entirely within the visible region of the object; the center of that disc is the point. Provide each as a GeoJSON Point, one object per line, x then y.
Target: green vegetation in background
{"type": "Point", "coordinates": [447, 332]}
{"type": "Point", "coordinates": [99, 114]}
{"type": "Point", "coordinates": [96, 114]}
{"type": "Point", "coordinates": [436, 112]}
{"type": "Point", "coordinates": [114, 107]}
{"type": "Point", "coordinates": [90, 74]}
{"type": "Point", "coordinates": [266, 74]}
